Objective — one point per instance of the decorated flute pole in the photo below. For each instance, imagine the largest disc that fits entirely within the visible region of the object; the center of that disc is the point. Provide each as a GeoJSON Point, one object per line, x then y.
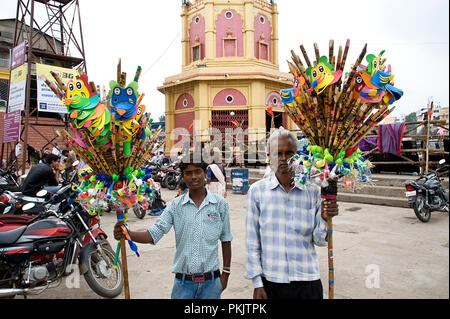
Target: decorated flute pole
{"type": "Point", "coordinates": [121, 217]}
{"type": "Point", "coordinates": [330, 192]}
{"type": "Point", "coordinates": [305, 55]}
{"type": "Point", "coordinates": [59, 82]}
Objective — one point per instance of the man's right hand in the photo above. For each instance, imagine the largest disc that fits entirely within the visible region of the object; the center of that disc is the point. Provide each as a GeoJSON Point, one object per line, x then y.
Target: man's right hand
{"type": "Point", "coordinates": [118, 232]}
{"type": "Point", "coordinates": [259, 293]}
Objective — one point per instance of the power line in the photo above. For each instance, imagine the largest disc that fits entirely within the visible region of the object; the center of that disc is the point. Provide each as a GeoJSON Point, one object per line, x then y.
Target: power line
{"type": "Point", "coordinates": [165, 51]}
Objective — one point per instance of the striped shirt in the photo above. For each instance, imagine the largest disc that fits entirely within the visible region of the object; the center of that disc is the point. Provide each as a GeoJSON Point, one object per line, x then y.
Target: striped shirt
{"type": "Point", "coordinates": [197, 231]}
{"type": "Point", "coordinates": [281, 230]}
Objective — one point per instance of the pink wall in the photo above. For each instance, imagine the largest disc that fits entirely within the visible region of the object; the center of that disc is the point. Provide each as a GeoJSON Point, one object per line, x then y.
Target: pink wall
{"type": "Point", "coordinates": [235, 25]}
{"type": "Point", "coordinates": [238, 99]}
{"type": "Point", "coordinates": [274, 99]}
{"type": "Point", "coordinates": [197, 30]}
{"type": "Point", "coordinates": [185, 101]}
{"type": "Point", "coordinates": [183, 120]}
{"type": "Point", "coordinates": [266, 29]}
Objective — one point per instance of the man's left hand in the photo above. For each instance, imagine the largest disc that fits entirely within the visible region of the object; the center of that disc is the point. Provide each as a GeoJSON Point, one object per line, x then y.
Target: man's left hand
{"type": "Point", "coordinates": [330, 209]}
{"type": "Point", "coordinates": [224, 280]}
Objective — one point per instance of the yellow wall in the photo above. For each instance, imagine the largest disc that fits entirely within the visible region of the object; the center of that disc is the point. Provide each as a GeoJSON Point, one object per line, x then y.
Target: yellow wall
{"type": "Point", "coordinates": [4, 74]}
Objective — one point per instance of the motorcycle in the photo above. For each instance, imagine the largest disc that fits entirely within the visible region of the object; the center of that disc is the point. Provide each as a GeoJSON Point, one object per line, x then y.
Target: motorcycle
{"type": "Point", "coordinates": [429, 195]}
{"type": "Point", "coordinates": [37, 252]}
{"type": "Point", "coordinates": [74, 178]}
{"type": "Point", "coordinates": [156, 171]}
{"type": "Point", "coordinates": [8, 179]}
{"type": "Point", "coordinates": [173, 177]}
{"type": "Point", "coordinates": [12, 200]}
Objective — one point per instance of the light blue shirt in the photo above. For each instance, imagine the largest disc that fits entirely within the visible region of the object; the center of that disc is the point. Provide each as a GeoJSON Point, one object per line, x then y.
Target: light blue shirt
{"type": "Point", "coordinates": [197, 231]}
{"type": "Point", "coordinates": [281, 231]}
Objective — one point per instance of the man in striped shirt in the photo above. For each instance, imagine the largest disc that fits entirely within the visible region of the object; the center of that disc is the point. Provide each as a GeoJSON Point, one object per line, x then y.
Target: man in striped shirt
{"type": "Point", "coordinates": [283, 223]}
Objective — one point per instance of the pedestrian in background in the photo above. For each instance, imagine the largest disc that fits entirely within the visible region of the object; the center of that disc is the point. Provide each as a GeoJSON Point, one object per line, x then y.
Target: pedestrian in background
{"type": "Point", "coordinates": [216, 177]}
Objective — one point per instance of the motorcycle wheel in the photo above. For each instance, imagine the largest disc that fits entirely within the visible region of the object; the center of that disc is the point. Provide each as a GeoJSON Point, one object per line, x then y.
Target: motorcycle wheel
{"type": "Point", "coordinates": [422, 213]}
{"type": "Point", "coordinates": [139, 211]}
{"type": "Point", "coordinates": [171, 182]}
{"type": "Point", "coordinates": [104, 281]}
{"type": "Point", "coordinates": [163, 182]}
{"type": "Point", "coordinates": [5, 285]}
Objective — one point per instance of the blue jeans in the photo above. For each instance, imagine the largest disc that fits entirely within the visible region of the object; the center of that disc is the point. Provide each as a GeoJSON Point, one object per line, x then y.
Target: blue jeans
{"type": "Point", "coordinates": [208, 289]}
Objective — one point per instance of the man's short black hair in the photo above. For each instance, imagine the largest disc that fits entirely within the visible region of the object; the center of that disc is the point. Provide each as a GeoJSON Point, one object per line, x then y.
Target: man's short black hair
{"type": "Point", "coordinates": [51, 158]}
{"type": "Point", "coordinates": [65, 151]}
{"type": "Point", "coordinates": [184, 165]}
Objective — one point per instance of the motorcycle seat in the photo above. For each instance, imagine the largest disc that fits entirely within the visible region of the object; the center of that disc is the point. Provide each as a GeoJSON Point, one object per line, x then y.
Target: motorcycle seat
{"type": "Point", "coordinates": [30, 199]}
{"type": "Point", "coordinates": [11, 236]}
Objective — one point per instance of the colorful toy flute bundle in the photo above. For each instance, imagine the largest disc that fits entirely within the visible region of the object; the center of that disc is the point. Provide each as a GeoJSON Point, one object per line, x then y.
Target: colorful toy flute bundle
{"type": "Point", "coordinates": [336, 112]}
{"type": "Point", "coordinates": [315, 165]}
{"type": "Point", "coordinates": [97, 192]}
{"type": "Point", "coordinates": [112, 137]}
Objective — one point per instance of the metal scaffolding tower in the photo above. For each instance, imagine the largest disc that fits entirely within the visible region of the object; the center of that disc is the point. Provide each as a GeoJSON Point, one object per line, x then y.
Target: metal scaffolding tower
{"type": "Point", "coordinates": [61, 32]}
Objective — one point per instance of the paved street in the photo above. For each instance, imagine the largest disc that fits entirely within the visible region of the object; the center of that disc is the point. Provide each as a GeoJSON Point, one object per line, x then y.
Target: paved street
{"type": "Point", "coordinates": [380, 252]}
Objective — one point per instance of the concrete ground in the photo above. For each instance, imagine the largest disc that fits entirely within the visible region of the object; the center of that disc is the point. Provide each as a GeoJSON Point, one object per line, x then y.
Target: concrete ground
{"type": "Point", "coordinates": [379, 253]}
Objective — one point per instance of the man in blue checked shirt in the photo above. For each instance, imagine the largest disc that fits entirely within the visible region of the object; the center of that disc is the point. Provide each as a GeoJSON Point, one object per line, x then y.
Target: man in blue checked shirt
{"type": "Point", "coordinates": [200, 219]}
{"type": "Point", "coordinates": [283, 224]}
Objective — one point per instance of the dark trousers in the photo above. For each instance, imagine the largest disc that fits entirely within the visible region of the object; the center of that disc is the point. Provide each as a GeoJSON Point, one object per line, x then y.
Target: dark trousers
{"type": "Point", "coordinates": [294, 289]}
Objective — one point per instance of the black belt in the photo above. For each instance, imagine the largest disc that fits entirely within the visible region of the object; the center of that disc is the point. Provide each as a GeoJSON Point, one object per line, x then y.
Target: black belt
{"type": "Point", "coordinates": [198, 277]}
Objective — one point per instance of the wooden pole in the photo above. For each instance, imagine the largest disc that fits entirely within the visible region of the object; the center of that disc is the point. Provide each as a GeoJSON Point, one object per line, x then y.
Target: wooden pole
{"type": "Point", "coordinates": [330, 193]}
{"type": "Point", "coordinates": [126, 286]}
{"type": "Point", "coordinates": [427, 153]}
{"type": "Point", "coordinates": [330, 259]}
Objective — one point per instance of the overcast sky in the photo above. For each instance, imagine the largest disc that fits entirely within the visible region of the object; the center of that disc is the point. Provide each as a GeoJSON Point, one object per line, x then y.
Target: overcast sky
{"type": "Point", "coordinates": [414, 33]}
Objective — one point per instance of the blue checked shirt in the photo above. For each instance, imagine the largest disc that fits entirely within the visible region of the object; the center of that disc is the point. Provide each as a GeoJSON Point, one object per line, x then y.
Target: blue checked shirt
{"type": "Point", "coordinates": [281, 230]}
{"type": "Point", "coordinates": [197, 231]}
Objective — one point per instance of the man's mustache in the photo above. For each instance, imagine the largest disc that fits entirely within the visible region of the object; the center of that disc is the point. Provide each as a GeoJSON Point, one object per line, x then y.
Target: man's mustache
{"type": "Point", "coordinates": [283, 163]}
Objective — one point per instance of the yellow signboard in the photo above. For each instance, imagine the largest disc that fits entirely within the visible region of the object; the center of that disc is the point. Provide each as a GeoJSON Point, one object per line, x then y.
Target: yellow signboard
{"type": "Point", "coordinates": [47, 100]}
{"type": "Point", "coordinates": [17, 88]}
{"type": "Point", "coordinates": [19, 74]}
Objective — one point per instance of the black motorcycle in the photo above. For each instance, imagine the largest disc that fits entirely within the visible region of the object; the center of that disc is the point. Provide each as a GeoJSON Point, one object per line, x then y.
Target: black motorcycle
{"type": "Point", "coordinates": [12, 200]}
{"type": "Point", "coordinates": [426, 194]}
{"type": "Point", "coordinates": [37, 252]}
{"type": "Point", "coordinates": [173, 177]}
{"type": "Point", "coordinates": [157, 171]}
{"type": "Point", "coordinates": [8, 180]}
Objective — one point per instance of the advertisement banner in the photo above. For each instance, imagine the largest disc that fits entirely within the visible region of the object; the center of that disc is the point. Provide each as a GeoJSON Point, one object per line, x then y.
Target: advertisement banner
{"type": "Point", "coordinates": [47, 101]}
{"type": "Point", "coordinates": [18, 55]}
{"type": "Point", "coordinates": [11, 127]}
{"type": "Point", "coordinates": [17, 92]}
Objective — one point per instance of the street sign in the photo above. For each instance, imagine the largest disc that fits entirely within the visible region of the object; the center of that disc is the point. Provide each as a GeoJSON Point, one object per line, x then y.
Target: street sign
{"type": "Point", "coordinates": [11, 127]}
{"type": "Point", "coordinates": [18, 55]}
{"type": "Point", "coordinates": [17, 88]}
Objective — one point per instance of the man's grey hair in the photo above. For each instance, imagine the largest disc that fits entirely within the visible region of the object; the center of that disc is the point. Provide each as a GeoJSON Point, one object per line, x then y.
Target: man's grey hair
{"type": "Point", "coordinates": [282, 133]}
